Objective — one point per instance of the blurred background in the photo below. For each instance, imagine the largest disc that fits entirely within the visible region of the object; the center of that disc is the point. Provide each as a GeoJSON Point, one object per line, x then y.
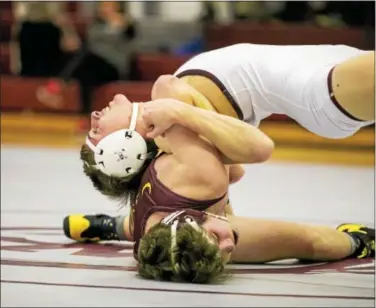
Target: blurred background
{"type": "Point", "coordinates": [61, 60]}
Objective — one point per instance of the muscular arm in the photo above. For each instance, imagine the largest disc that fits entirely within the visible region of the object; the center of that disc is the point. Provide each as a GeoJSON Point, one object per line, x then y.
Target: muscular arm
{"type": "Point", "coordinates": [168, 86]}
{"type": "Point", "coordinates": [237, 141]}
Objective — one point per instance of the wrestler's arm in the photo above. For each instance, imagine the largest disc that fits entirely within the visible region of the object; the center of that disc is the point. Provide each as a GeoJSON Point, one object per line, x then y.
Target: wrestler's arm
{"type": "Point", "coordinates": [168, 86]}
{"type": "Point", "coordinates": [239, 142]}
{"type": "Point", "coordinates": [227, 134]}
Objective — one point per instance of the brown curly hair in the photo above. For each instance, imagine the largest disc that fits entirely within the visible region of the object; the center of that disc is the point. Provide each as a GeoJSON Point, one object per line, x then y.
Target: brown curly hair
{"type": "Point", "coordinates": [199, 261]}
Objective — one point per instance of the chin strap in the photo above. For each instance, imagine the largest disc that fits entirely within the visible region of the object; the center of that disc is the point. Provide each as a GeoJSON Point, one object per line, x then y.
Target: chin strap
{"type": "Point", "coordinates": [134, 116]}
{"type": "Point", "coordinates": [132, 126]}
{"type": "Point", "coordinates": [174, 227]}
{"type": "Point", "coordinates": [90, 144]}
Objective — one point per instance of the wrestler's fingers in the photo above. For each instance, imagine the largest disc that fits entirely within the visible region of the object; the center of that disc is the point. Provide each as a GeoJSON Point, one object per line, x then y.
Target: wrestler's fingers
{"type": "Point", "coordinates": [148, 122]}
{"type": "Point", "coordinates": [154, 132]}
{"type": "Point", "coordinates": [147, 117]}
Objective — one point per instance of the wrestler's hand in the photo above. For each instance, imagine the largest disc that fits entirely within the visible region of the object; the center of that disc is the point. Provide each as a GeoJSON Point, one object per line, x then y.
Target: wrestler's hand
{"type": "Point", "coordinates": [159, 115]}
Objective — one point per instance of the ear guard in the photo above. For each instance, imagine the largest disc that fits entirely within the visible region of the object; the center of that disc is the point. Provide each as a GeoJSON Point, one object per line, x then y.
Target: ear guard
{"type": "Point", "coordinates": [121, 153]}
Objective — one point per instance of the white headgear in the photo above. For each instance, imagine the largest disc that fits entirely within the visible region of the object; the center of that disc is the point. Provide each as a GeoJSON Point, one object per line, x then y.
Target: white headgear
{"type": "Point", "coordinates": [121, 153]}
{"type": "Point", "coordinates": [188, 216]}
{"type": "Point", "coordinates": [173, 220]}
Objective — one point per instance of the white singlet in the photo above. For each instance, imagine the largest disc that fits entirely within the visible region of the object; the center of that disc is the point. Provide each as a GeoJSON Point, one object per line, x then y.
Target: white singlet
{"type": "Point", "coordinates": [290, 80]}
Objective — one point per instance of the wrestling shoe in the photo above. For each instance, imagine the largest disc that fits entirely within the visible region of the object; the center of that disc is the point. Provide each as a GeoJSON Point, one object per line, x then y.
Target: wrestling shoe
{"type": "Point", "coordinates": [364, 238]}
{"type": "Point", "coordinates": [90, 228]}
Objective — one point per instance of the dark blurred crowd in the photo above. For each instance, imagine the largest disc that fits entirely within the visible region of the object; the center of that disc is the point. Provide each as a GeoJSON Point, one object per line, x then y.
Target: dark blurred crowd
{"type": "Point", "coordinates": [322, 13]}
{"type": "Point", "coordinates": [46, 44]}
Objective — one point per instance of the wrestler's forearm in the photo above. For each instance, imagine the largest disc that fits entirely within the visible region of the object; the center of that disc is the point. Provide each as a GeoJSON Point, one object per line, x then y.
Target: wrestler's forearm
{"type": "Point", "coordinates": [268, 240]}
{"type": "Point", "coordinates": [236, 140]}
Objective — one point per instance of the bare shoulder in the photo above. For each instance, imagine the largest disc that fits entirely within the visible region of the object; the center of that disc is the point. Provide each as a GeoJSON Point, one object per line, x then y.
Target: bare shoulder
{"type": "Point", "coordinates": [191, 181]}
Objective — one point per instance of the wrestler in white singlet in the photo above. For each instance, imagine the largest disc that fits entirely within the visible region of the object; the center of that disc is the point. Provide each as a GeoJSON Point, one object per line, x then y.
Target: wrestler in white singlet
{"type": "Point", "coordinates": [260, 80]}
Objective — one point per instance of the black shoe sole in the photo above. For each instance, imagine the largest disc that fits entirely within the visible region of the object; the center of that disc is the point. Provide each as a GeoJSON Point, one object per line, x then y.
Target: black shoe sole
{"type": "Point", "coordinates": [66, 227]}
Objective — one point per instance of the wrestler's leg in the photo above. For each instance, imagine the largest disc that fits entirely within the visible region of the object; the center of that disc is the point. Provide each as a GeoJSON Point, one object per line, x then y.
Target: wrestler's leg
{"type": "Point", "coordinates": [266, 240]}
{"type": "Point", "coordinates": [195, 90]}
{"type": "Point", "coordinates": [353, 83]}
{"type": "Point", "coordinates": [168, 86]}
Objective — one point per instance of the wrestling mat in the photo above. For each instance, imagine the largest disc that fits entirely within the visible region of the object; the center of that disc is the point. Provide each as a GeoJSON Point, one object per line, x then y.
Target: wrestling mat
{"type": "Point", "coordinates": [41, 268]}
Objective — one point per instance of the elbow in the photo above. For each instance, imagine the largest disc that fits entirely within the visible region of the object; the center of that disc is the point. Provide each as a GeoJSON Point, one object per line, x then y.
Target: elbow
{"type": "Point", "coordinates": [263, 152]}
{"type": "Point", "coordinates": [236, 173]}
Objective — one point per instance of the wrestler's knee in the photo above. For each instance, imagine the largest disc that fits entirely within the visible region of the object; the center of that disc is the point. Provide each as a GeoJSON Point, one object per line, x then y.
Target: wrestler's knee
{"type": "Point", "coordinates": [160, 84]}
{"type": "Point", "coordinates": [165, 79]}
{"type": "Point", "coordinates": [163, 85]}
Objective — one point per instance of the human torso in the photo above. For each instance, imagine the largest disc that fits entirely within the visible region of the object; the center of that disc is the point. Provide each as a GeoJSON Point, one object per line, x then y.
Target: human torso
{"type": "Point", "coordinates": [154, 196]}
{"type": "Point", "coordinates": [259, 78]}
